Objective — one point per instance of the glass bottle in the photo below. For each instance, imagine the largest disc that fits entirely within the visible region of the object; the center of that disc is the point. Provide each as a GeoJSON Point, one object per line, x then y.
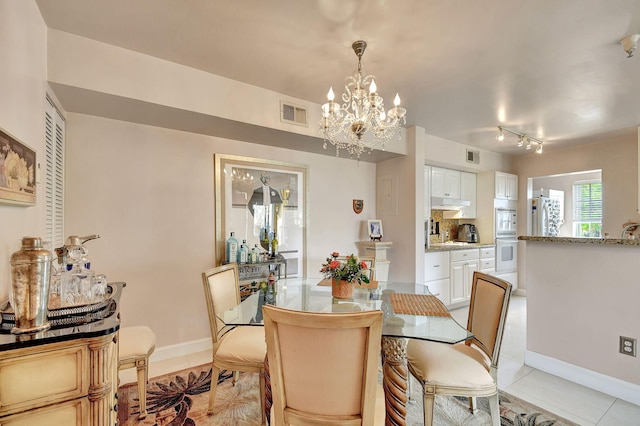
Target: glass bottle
{"type": "Point", "coordinates": [232, 249]}
{"type": "Point", "coordinates": [274, 245]}
{"type": "Point", "coordinates": [243, 254]}
{"type": "Point", "coordinates": [255, 254]}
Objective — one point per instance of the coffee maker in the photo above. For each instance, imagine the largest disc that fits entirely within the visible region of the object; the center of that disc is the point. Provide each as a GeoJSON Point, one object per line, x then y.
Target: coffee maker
{"type": "Point", "coordinates": [467, 233]}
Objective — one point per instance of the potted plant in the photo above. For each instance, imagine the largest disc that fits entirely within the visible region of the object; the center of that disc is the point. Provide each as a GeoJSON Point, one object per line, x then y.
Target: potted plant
{"type": "Point", "coordinates": [345, 274]}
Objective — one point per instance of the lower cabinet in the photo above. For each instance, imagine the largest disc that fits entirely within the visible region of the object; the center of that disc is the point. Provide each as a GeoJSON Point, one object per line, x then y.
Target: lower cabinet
{"type": "Point", "coordinates": [64, 383]}
{"type": "Point", "coordinates": [436, 273]}
{"type": "Point", "coordinates": [463, 264]}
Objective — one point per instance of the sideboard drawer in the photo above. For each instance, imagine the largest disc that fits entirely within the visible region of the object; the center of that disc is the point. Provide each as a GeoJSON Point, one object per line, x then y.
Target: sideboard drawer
{"type": "Point", "coordinates": [31, 380]}
{"type": "Point", "coordinates": [69, 413]}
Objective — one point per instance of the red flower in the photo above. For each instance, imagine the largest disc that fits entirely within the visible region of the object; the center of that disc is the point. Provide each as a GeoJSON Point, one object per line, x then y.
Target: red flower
{"type": "Point", "coordinates": [334, 264]}
{"type": "Point", "coordinates": [363, 265]}
{"type": "Point", "coordinates": [335, 254]}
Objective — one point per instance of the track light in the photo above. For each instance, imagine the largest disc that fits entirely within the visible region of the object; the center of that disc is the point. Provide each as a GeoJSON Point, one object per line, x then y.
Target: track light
{"type": "Point", "coordinates": [522, 139]}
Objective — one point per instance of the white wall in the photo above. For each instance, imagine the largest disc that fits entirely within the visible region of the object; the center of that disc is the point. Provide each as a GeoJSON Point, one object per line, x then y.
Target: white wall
{"type": "Point", "coordinates": [22, 84]}
{"type": "Point", "coordinates": [148, 192]}
{"type": "Point", "coordinates": [616, 158]}
{"type": "Point", "coordinates": [580, 299]}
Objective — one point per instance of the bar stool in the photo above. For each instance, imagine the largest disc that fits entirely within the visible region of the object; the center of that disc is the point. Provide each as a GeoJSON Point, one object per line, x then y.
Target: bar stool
{"type": "Point", "coordinates": [136, 345]}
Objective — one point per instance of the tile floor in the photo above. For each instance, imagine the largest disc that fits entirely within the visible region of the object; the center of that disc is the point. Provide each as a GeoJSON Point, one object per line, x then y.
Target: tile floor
{"type": "Point", "coordinates": [577, 403]}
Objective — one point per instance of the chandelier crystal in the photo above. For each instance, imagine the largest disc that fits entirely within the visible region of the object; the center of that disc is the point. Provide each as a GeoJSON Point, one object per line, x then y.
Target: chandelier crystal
{"type": "Point", "coordinates": [360, 124]}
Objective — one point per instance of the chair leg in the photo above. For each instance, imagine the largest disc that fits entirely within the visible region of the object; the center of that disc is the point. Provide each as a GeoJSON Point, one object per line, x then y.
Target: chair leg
{"type": "Point", "coordinates": [143, 378]}
{"type": "Point", "coordinates": [263, 396]}
{"type": "Point", "coordinates": [429, 400]}
{"type": "Point", "coordinates": [494, 406]}
{"type": "Point", "coordinates": [473, 405]}
{"type": "Point", "coordinates": [215, 372]}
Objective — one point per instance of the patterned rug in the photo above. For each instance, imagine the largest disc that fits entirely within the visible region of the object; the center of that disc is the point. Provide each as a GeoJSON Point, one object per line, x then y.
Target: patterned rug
{"type": "Point", "coordinates": [181, 399]}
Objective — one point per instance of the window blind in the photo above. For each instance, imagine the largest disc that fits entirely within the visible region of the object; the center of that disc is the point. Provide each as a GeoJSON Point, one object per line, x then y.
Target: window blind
{"type": "Point", "coordinates": [587, 201]}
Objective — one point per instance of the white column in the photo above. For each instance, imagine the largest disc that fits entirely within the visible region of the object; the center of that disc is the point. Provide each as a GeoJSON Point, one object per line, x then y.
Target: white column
{"type": "Point", "coordinates": [377, 250]}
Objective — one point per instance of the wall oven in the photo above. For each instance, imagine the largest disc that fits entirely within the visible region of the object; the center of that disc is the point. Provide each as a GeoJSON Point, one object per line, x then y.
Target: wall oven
{"type": "Point", "coordinates": [506, 241]}
{"type": "Point", "coordinates": [506, 255]}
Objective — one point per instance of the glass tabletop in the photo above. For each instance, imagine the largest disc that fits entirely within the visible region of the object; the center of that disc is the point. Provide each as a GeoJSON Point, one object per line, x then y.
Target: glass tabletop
{"type": "Point", "coordinates": [304, 294]}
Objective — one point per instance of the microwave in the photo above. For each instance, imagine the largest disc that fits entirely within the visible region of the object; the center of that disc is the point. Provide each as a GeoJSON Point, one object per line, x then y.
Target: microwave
{"type": "Point", "coordinates": [506, 223]}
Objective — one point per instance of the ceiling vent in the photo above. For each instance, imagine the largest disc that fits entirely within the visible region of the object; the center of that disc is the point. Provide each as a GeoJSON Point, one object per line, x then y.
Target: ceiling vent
{"type": "Point", "coordinates": [473, 157]}
{"type": "Point", "coordinates": [293, 114]}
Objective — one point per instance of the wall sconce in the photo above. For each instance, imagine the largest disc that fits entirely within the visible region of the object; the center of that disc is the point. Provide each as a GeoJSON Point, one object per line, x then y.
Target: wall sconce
{"type": "Point", "coordinates": [523, 140]}
{"type": "Point", "coordinates": [630, 44]}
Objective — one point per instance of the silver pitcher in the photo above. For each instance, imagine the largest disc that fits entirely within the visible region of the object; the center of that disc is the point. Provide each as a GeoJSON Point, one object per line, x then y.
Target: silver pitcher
{"type": "Point", "coordinates": [30, 275]}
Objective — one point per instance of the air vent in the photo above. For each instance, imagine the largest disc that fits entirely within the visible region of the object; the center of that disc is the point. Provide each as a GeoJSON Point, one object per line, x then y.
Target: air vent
{"type": "Point", "coordinates": [473, 157]}
{"type": "Point", "coordinates": [293, 114]}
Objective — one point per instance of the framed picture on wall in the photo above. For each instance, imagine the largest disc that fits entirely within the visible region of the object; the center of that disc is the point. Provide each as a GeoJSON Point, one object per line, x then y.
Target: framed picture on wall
{"type": "Point", "coordinates": [375, 229]}
{"type": "Point", "coordinates": [17, 171]}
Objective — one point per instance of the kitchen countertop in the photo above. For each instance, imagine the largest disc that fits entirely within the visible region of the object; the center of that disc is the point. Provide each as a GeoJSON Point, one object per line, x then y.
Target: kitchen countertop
{"type": "Point", "coordinates": [455, 245]}
{"type": "Point", "coordinates": [586, 241]}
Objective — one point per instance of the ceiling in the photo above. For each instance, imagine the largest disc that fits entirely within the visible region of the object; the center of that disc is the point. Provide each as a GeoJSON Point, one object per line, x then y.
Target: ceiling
{"type": "Point", "coordinates": [552, 69]}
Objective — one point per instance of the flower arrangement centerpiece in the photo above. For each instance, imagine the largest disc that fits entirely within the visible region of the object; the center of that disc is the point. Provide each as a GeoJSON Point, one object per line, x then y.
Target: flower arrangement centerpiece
{"type": "Point", "coordinates": [345, 273]}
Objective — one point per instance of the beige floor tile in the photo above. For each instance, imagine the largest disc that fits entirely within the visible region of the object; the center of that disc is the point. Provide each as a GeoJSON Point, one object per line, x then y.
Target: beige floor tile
{"type": "Point", "coordinates": [510, 371]}
{"type": "Point", "coordinates": [552, 391]}
{"type": "Point", "coordinates": [621, 413]}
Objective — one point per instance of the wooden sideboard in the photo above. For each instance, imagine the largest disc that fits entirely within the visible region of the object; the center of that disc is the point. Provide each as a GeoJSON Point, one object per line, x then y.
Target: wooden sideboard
{"type": "Point", "coordinates": [67, 375]}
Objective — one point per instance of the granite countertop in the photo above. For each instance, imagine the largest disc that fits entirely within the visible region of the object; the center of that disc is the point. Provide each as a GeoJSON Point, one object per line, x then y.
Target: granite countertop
{"type": "Point", "coordinates": [586, 241]}
{"type": "Point", "coordinates": [454, 245]}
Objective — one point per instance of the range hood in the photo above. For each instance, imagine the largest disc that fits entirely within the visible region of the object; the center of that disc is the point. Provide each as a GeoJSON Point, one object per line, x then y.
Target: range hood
{"type": "Point", "coordinates": [443, 203]}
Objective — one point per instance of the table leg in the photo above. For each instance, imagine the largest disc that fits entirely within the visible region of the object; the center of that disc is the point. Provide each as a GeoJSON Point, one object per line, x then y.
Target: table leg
{"type": "Point", "coordinates": [394, 379]}
{"type": "Point", "coordinates": [267, 391]}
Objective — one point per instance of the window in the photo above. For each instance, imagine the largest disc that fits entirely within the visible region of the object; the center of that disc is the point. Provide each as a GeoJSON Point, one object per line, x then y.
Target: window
{"type": "Point", "coordinates": [587, 209]}
{"type": "Point", "coordinates": [54, 175]}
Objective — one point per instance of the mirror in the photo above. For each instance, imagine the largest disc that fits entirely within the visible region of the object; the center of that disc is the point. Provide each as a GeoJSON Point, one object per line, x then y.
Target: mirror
{"type": "Point", "coordinates": [264, 203]}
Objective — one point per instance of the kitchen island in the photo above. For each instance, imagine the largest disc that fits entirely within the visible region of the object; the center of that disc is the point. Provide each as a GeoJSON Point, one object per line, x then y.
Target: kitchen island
{"type": "Point", "coordinates": [582, 295]}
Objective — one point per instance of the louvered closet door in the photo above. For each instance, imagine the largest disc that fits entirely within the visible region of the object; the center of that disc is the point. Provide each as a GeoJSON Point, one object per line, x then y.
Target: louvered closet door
{"type": "Point", "coordinates": [54, 175]}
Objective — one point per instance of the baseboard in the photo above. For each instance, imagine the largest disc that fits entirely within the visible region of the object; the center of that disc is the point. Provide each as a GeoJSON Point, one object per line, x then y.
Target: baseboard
{"type": "Point", "coordinates": [520, 292]}
{"type": "Point", "coordinates": [629, 392]}
{"type": "Point", "coordinates": [181, 349]}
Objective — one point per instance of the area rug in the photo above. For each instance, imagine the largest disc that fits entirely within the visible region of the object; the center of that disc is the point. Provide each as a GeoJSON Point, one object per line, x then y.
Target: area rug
{"type": "Point", "coordinates": [181, 399]}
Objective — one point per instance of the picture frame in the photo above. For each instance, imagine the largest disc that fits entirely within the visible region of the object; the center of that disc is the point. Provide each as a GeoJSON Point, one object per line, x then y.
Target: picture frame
{"type": "Point", "coordinates": [240, 192]}
{"type": "Point", "coordinates": [375, 229]}
{"type": "Point", "coordinates": [17, 171]}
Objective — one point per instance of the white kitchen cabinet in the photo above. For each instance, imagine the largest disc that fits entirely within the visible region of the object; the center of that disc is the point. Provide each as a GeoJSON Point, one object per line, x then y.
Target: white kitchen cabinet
{"type": "Point", "coordinates": [445, 183]}
{"type": "Point", "coordinates": [468, 192]}
{"type": "Point", "coordinates": [463, 264]}
{"type": "Point", "coordinates": [511, 277]}
{"type": "Point", "coordinates": [488, 260]}
{"type": "Point", "coordinates": [427, 192]}
{"type": "Point", "coordinates": [436, 273]}
{"type": "Point", "coordinates": [506, 186]}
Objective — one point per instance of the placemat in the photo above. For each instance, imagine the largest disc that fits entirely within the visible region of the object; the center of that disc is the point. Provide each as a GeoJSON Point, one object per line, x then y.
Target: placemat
{"type": "Point", "coordinates": [373, 284]}
{"type": "Point", "coordinates": [418, 304]}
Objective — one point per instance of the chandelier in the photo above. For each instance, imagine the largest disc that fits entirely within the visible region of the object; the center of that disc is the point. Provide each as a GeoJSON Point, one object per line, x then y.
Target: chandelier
{"type": "Point", "coordinates": [360, 124]}
{"type": "Point", "coordinates": [525, 141]}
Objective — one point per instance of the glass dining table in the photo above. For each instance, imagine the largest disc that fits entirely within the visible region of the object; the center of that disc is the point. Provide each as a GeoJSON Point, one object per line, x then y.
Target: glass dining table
{"type": "Point", "coordinates": [408, 313]}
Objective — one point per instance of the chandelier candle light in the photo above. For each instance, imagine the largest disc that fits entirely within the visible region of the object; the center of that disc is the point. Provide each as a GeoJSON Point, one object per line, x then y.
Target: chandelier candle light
{"type": "Point", "coordinates": [360, 124]}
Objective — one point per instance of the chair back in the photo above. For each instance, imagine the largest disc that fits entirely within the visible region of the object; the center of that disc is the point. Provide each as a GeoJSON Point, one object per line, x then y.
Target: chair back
{"type": "Point", "coordinates": [323, 366]}
{"type": "Point", "coordinates": [487, 313]}
{"type": "Point", "coordinates": [221, 292]}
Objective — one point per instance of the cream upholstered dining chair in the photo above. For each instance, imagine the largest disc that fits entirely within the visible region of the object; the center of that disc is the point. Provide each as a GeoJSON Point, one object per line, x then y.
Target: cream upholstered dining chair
{"type": "Point", "coordinates": [135, 346]}
{"type": "Point", "coordinates": [469, 368]}
{"type": "Point", "coordinates": [234, 349]}
{"type": "Point", "coordinates": [323, 367]}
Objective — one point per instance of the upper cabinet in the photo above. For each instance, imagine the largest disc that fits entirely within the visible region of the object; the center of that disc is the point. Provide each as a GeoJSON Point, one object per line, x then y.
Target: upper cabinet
{"type": "Point", "coordinates": [468, 192]}
{"type": "Point", "coordinates": [445, 183]}
{"type": "Point", "coordinates": [506, 186]}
